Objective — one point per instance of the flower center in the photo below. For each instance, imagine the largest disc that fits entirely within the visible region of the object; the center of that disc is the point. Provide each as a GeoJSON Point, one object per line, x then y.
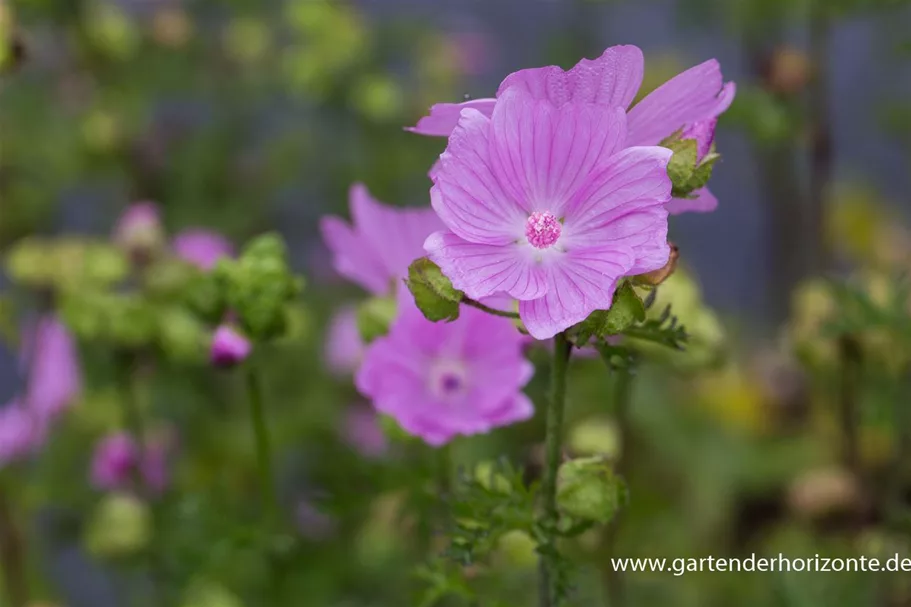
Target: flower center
{"type": "Point", "coordinates": [448, 379]}
{"type": "Point", "coordinates": [542, 229]}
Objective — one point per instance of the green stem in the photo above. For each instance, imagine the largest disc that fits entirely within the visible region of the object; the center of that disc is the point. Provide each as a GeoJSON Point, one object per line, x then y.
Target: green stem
{"type": "Point", "coordinates": [477, 304]}
{"type": "Point", "coordinates": [12, 555]}
{"type": "Point", "coordinates": [263, 447]}
{"type": "Point", "coordinates": [849, 407]}
{"type": "Point", "coordinates": [553, 450]}
{"type": "Point", "coordinates": [622, 377]}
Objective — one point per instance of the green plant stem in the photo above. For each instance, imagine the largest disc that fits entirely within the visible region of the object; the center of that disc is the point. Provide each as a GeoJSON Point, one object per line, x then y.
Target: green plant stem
{"type": "Point", "coordinates": [477, 304]}
{"type": "Point", "coordinates": [622, 379]}
{"type": "Point", "coordinates": [553, 450]}
{"type": "Point", "coordinates": [263, 448]}
{"type": "Point", "coordinates": [12, 555]}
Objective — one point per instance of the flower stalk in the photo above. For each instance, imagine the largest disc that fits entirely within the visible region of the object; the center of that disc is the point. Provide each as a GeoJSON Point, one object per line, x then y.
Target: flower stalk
{"type": "Point", "coordinates": [12, 555]}
{"type": "Point", "coordinates": [553, 450]}
{"type": "Point", "coordinates": [263, 446]}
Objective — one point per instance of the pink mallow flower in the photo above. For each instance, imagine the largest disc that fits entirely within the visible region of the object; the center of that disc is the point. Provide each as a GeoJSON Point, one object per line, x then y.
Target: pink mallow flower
{"type": "Point", "coordinates": [376, 251]}
{"type": "Point", "coordinates": [547, 204]}
{"type": "Point", "coordinates": [362, 431]}
{"type": "Point", "coordinates": [202, 248]}
{"type": "Point", "coordinates": [116, 462]}
{"type": "Point", "coordinates": [52, 368]}
{"type": "Point", "coordinates": [229, 347]}
{"type": "Point", "coordinates": [22, 433]}
{"type": "Point", "coordinates": [438, 380]}
{"type": "Point", "coordinates": [612, 81]}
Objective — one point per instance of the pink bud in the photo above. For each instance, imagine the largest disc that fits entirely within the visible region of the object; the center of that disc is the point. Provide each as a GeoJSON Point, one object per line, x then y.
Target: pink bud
{"type": "Point", "coordinates": [229, 347]}
{"type": "Point", "coordinates": [202, 248]}
{"type": "Point", "coordinates": [139, 230]}
{"type": "Point", "coordinates": [704, 134]}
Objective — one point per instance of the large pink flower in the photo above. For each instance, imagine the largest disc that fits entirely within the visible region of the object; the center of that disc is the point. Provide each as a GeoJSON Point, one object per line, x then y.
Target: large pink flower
{"type": "Point", "coordinates": [442, 379]}
{"type": "Point", "coordinates": [612, 81]}
{"type": "Point", "coordinates": [547, 204]}
{"type": "Point", "coordinates": [377, 250]}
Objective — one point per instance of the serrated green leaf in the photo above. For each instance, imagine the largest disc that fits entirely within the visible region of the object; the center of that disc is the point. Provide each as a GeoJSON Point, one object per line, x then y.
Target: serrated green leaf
{"type": "Point", "coordinates": [626, 309]}
{"type": "Point", "coordinates": [433, 292]}
{"type": "Point", "coordinates": [682, 164]}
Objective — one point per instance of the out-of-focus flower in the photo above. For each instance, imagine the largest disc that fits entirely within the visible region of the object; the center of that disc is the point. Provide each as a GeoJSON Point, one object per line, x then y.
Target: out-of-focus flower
{"type": "Point", "coordinates": [555, 231]}
{"type": "Point", "coordinates": [812, 306]}
{"type": "Point", "coordinates": [229, 347]}
{"type": "Point", "coordinates": [202, 248]}
{"type": "Point", "coordinates": [116, 463]}
{"type": "Point", "coordinates": [363, 432]}
{"type": "Point", "coordinates": [139, 231]}
{"type": "Point", "coordinates": [788, 70]}
{"type": "Point", "coordinates": [473, 51]}
{"type": "Point", "coordinates": [735, 398]}
{"type": "Point", "coordinates": [54, 375]}
{"type": "Point", "coordinates": [344, 346]}
{"type": "Point", "coordinates": [696, 95]}
{"type": "Point", "coordinates": [438, 380]}
{"type": "Point", "coordinates": [120, 525]}
{"type": "Point", "coordinates": [376, 251]}
{"type": "Point", "coordinates": [863, 229]}
{"type": "Point", "coordinates": [22, 433]}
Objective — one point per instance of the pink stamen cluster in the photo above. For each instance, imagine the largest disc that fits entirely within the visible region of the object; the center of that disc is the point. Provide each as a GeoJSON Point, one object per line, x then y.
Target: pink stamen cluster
{"type": "Point", "coordinates": [542, 229]}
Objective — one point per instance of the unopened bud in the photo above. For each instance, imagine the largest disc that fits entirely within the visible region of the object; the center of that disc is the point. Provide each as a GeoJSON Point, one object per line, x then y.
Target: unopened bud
{"type": "Point", "coordinates": [229, 347]}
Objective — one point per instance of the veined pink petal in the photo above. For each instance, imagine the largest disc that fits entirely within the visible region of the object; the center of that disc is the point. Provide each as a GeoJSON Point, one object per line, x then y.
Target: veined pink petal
{"type": "Point", "coordinates": [467, 195]}
{"type": "Point", "coordinates": [699, 93]}
{"type": "Point", "coordinates": [444, 117]}
{"type": "Point", "coordinates": [611, 80]}
{"type": "Point", "coordinates": [633, 180]}
{"type": "Point", "coordinates": [542, 154]}
{"type": "Point", "coordinates": [482, 270]}
{"type": "Point", "coordinates": [703, 202]}
{"type": "Point", "coordinates": [579, 283]}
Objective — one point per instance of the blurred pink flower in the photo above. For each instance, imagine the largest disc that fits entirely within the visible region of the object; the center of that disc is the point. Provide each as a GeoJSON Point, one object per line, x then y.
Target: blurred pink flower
{"type": "Point", "coordinates": [139, 229]}
{"type": "Point", "coordinates": [473, 51]}
{"type": "Point", "coordinates": [377, 250]}
{"type": "Point", "coordinates": [53, 370]}
{"type": "Point", "coordinates": [229, 347]}
{"type": "Point", "coordinates": [547, 204]}
{"type": "Point", "coordinates": [344, 347]}
{"type": "Point", "coordinates": [22, 433]}
{"type": "Point", "coordinates": [612, 81]}
{"type": "Point", "coordinates": [363, 433]}
{"type": "Point", "coordinates": [438, 380]}
{"type": "Point", "coordinates": [202, 248]}
{"type": "Point", "coordinates": [116, 461]}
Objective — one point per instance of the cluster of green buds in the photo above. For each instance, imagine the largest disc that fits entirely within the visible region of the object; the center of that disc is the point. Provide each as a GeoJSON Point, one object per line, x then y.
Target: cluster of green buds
{"type": "Point", "coordinates": [694, 156]}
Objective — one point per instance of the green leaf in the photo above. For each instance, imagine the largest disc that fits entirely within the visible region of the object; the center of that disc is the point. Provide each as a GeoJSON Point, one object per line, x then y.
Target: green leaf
{"type": "Point", "coordinates": [374, 317]}
{"type": "Point", "coordinates": [433, 292]}
{"type": "Point", "coordinates": [626, 310]}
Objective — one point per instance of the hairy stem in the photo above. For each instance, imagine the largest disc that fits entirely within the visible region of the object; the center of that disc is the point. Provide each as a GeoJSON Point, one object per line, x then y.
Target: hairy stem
{"type": "Point", "coordinates": [12, 555]}
{"type": "Point", "coordinates": [553, 450]}
{"type": "Point", "coordinates": [477, 304]}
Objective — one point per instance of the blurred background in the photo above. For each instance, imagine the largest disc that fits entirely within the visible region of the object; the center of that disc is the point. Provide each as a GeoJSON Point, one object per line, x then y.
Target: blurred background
{"type": "Point", "coordinates": [780, 430]}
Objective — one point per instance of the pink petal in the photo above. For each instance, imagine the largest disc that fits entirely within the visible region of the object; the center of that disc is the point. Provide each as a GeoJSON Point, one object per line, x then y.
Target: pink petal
{"type": "Point", "coordinates": [444, 117]}
{"type": "Point", "coordinates": [481, 270]}
{"type": "Point", "coordinates": [579, 283]}
{"type": "Point", "coordinates": [467, 195]}
{"type": "Point", "coordinates": [396, 234]}
{"type": "Point", "coordinates": [611, 80]}
{"type": "Point", "coordinates": [516, 409]}
{"type": "Point", "coordinates": [353, 258]}
{"type": "Point", "coordinates": [633, 180]}
{"type": "Point", "coordinates": [699, 93]}
{"type": "Point", "coordinates": [703, 202]}
{"type": "Point", "coordinates": [542, 154]}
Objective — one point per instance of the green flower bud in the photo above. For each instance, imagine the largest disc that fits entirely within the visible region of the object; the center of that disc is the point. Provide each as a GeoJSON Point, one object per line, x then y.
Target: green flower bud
{"type": "Point", "coordinates": [259, 285]}
{"type": "Point", "coordinates": [66, 264]}
{"type": "Point", "coordinates": [486, 475]}
{"type": "Point", "coordinates": [124, 320]}
{"type": "Point", "coordinates": [517, 549]}
{"type": "Point", "coordinates": [588, 489]}
{"type": "Point", "coordinates": [119, 526]}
